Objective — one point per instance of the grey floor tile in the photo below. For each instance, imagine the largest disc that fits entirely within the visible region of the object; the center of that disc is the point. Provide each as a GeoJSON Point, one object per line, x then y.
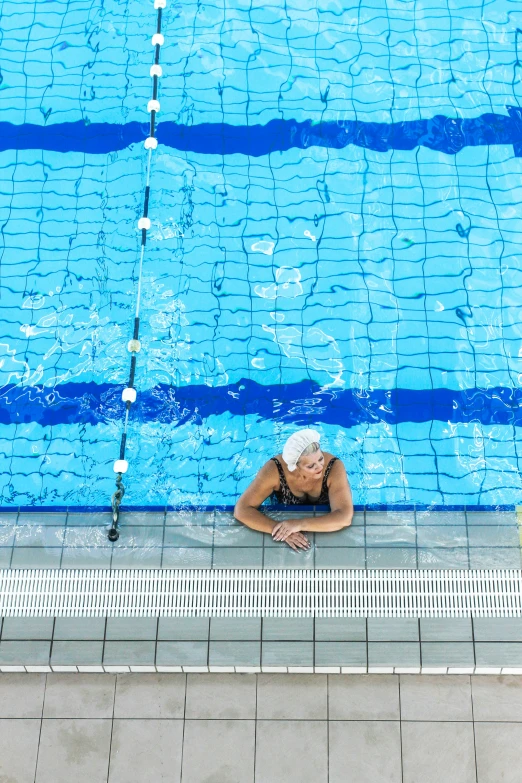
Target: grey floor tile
{"type": "Point", "coordinates": [488, 557]}
{"type": "Point", "coordinates": [390, 536]}
{"type": "Point", "coordinates": [73, 750]}
{"type": "Point", "coordinates": [146, 750]}
{"type": "Point", "coordinates": [79, 628]}
{"type": "Point", "coordinates": [497, 698]}
{"type": "Point", "coordinates": [189, 557]}
{"type": "Point", "coordinates": [340, 629]}
{"type": "Point", "coordinates": [238, 557]}
{"type": "Point", "coordinates": [369, 750]}
{"type": "Point", "coordinates": [86, 558]}
{"type": "Point", "coordinates": [193, 518]}
{"type": "Point", "coordinates": [156, 696]}
{"type": "Point", "coordinates": [237, 535]}
{"type": "Point", "coordinates": [234, 653]}
{"type": "Point", "coordinates": [27, 628]}
{"type": "Point", "coordinates": [7, 535]}
{"type": "Point", "coordinates": [340, 654]}
{"type": "Point", "coordinates": [39, 536]}
{"type": "Point", "coordinates": [229, 751]}
{"type": "Point", "coordinates": [19, 740]}
{"type": "Point", "coordinates": [36, 557]}
{"type": "Point", "coordinates": [498, 653]}
{"type": "Point", "coordinates": [432, 752]}
{"type": "Point", "coordinates": [129, 653]}
{"type": "Point", "coordinates": [283, 557]}
{"type": "Point", "coordinates": [438, 518]}
{"type": "Point", "coordinates": [145, 518]}
{"type": "Point", "coordinates": [348, 536]}
{"type": "Point", "coordinates": [87, 538]}
{"type": "Point", "coordinates": [186, 537]}
{"type": "Point", "coordinates": [287, 654]}
{"type": "Point", "coordinates": [136, 558]}
{"type": "Point", "coordinates": [394, 518]}
{"type": "Point", "coordinates": [391, 629]}
{"type": "Point", "coordinates": [288, 628]}
{"type": "Point", "coordinates": [76, 653]}
{"type": "Point", "coordinates": [498, 752]}
{"type": "Point", "coordinates": [398, 557]}
{"type": "Point", "coordinates": [246, 629]}
{"type": "Point", "coordinates": [79, 695]}
{"type": "Point", "coordinates": [363, 697]}
{"type": "Point", "coordinates": [447, 654]}
{"type": "Point", "coordinates": [343, 557]}
{"type": "Point", "coordinates": [101, 518]}
{"type": "Point", "coordinates": [444, 698]}
{"type": "Point", "coordinates": [292, 697]}
{"type": "Point", "coordinates": [489, 536]}
{"type": "Point", "coordinates": [457, 557]}
{"type": "Point", "coordinates": [437, 536]}
{"type": "Point", "coordinates": [6, 554]}
{"type": "Point", "coordinates": [442, 629]}
{"type": "Point", "coordinates": [491, 517]}
{"type": "Point", "coordinates": [21, 695]}
{"type": "Point", "coordinates": [495, 629]}
{"type": "Point", "coordinates": [131, 628]}
{"type": "Point", "coordinates": [35, 518]}
{"type": "Point", "coordinates": [25, 653]}
{"type": "Point", "coordinates": [183, 628]}
{"type": "Point", "coordinates": [221, 696]}
{"type": "Point", "coordinates": [182, 654]}
{"type": "Point", "coordinates": [393, 654]}
{"type": "Point", "coordinates": [280, 756]}
{"type": "Point", "coordinates": [140, 536]}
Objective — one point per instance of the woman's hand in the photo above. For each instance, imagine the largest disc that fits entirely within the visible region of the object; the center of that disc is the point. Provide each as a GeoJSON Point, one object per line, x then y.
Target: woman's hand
{"type": "Point", "coordinates": [297, 541]}
{"type": "Point", "coordinates": [282, 530]}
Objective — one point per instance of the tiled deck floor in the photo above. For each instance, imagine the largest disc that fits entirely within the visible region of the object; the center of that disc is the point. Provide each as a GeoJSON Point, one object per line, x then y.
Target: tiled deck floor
{"type": "Point", "coordinates": [402, 539]}
{"type": "Point", "coordinates": [259, 729]}
{"type": "Point", "coordinates": [152, 540]}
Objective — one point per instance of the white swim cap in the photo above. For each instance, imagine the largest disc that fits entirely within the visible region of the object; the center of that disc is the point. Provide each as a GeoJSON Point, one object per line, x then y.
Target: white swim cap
{"type": "Point", "coordinates": [296, 444]}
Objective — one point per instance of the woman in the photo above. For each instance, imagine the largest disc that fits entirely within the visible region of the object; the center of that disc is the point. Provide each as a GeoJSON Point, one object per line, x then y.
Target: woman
{"type": "Point", "coordinates": [301, 475]}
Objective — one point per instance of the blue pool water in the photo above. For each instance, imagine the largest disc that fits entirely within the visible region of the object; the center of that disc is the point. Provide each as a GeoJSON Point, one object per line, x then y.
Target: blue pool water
{"type": "Point", "coordinates": [335, 242]}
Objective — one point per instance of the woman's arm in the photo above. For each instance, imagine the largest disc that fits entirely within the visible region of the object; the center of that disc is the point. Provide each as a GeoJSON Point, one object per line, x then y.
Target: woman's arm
{"type": "Point", "coordinates": [246, 509]}
{"type": "Point", "coordinates": [341, 514]}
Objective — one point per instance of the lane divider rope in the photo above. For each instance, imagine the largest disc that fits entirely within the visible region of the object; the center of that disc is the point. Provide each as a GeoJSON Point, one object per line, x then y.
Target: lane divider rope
{"type": "Point", "coordinates": [129, 394]}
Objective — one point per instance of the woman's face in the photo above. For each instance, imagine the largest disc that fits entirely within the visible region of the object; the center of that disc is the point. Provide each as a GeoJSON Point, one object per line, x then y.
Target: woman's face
{"type": "Point", "coordinates": [312, 464]}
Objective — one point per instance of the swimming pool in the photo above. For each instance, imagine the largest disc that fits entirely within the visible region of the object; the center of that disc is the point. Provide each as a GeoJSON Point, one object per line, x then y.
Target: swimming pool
{"type": "Point", "coordinates": [334, 243]}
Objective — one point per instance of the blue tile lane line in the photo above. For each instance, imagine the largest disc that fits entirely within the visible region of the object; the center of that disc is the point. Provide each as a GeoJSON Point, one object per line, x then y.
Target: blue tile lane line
{"type": "Point", "coordinates": [91, 403]}
{"type": "Point", "coordinates": [440, 133]}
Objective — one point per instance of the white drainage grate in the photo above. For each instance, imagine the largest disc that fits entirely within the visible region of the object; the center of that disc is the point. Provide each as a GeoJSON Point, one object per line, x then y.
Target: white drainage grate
{"type": "Point", "coordinates": [260, 593]}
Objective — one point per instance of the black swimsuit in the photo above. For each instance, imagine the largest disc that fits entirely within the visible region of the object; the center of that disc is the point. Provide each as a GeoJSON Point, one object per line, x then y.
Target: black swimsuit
{"type": "Point", "coordinates": [285, 495]}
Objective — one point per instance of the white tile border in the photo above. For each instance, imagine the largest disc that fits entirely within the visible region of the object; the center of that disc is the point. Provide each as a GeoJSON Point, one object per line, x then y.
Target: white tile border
{"type": "Point", "coordinates": [398, 670]}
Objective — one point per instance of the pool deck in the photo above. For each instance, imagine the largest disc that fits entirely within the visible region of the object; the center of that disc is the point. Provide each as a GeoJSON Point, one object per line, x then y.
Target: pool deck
{"type": "Point", "coordinates": [213, 539]}
{"type": "Point", "coordinates": [193, 728]}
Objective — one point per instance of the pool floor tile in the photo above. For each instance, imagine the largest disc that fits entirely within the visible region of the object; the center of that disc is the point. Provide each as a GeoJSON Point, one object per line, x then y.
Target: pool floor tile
{"type": "Point", "coordinates": [234, 653]}
{"type": "Point", "coordinates": [131, 628]}
{"type": "Point", "coordinates": [498, 653]}
{"type": "Point", "coordinates": [280, 756]}
{"type": "Point", "coordinates": [235, 628]}
{"type": "Point", "coordinates": [288, 628]}
{"type": "Point", "coordinates": [393, 654]}
{"type": "Point", "coordinates": [86, 653]}
{"type": "Point", "coordinates": [25, 652]}
{"type": "Point", "coordinates": [221, 696]}
{"type": "Point", "coordinates": [79, 628]}
{"type": "Point", "coordinates": [370, 750]}
{"type": "Point", "coordinates": [183, 628]}
{"type": "Point", "coordinates": [448, 654]}
{"type": "Point", "coordinates": [442, 629]}
{"type": "Point", "coordinates": [185, 653]}
{"type": "Point", "coordinates": [341, 654]}
{"type": "Point", "coordinates": [115, 653]}
{"type": "Point", "coordinates": [433, 751]}
{"type": "Point", "coordinates": [340, 629]}
{"type": "Point", "coordinates": [287, 654]}
{"type": "Point", "coordinates": [383, 629]}
{"type": "Point", "coordinates": [221, 741]}
{"type": "Point", "coordinates": [238, 557]}
{"type": "Point", "coordinates": [28, 628]}
{"type": "Point", "coordinates": [19, 740]}
{"type": "Point", "coordinates": [342, 557]}
{"type": "Point", "coordinates": [146, 750]}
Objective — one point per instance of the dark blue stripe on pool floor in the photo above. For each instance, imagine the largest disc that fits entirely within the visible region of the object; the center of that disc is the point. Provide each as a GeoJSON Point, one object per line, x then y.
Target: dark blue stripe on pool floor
{"type": "Point", "coordinates": [301, 403]}
{"type": "Point", "coordinates": [440, 133]}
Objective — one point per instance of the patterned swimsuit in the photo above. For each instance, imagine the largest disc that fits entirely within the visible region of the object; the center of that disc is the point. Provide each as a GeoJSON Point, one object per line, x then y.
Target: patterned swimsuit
{"type": "Point", "coordinates": [285, 495]}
